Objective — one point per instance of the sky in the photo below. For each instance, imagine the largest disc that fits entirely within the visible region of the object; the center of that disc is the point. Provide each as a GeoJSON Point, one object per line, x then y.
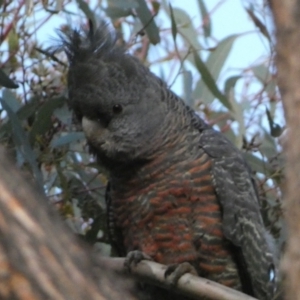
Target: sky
{"type": "Point", "coordinates": [228, 17]}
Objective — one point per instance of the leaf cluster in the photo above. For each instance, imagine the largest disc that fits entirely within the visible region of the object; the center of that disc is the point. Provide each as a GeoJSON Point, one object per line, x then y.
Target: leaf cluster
{"type": "Point", "coordinates": [36, 124]}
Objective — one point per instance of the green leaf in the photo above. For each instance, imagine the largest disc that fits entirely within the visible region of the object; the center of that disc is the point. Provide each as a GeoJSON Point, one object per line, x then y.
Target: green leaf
{"type": "Point", "coordinates": [187, 85]}
{"type": "Point", "coordinates": [230, 84]}
{"type": "Point", "coordinates": [205, 18]}
{"type": "Point", "coordinates": [120, 8]}
{"type": "Point", "coordinates": [9, 97]}
{"type": "Point", "coordinates": [67, 139]}
{"type": "Point", "coordinates": [86, 10]}
{"type": "Point", "coordinates": [219, 55]}
{"type": "Point", "coordinates": [185, 28]}
{"type": "Point", "coordinates": [270, 119]}
{"type": "Point", "coordinates": [123, 4]}
{"type": "Point", "coordinates": [116, 12]}
{"type": "Point", "coordinates": [6, 81]}
{"type": "Point", "coordinates": [237, 112]}
{"type": "Point", "coordinates": [43, 121]}
{"type": "Point", "coordinates": [18, 132]}
{"type": "Point", "coordinates": [156, 6]}
{"type": "Point", "coordinates": [64, 114]}
{"type": "Point", "coordinates": [147, 20]}
{"type": "Point", "coordinates": [28, 109]}
{"type": "Point", "coordinates": [13, 41]}
{"type": "Point", "coordinates": [268, 146]}
{"type": "Point", "coordinates": [13, 48]}
{"type": "Point", "coordinates": [275, 129]}
{"type": "Point", "coordinates": [210, 81]}
{"type": "Point", "coordinates": [214, 63]}
{"type": "Point", "coordinates": [257, 164]}
{"type": "Point", "coordinates": [173, 23]}
{"type": "Point", "coordinates": [23, 113]}
{"type": "Point", "coordinates": [22, 143]}
{"type": "Point", "coordinates": [258, 23]}
{"type": "Point", "coordinates": [263, 74]}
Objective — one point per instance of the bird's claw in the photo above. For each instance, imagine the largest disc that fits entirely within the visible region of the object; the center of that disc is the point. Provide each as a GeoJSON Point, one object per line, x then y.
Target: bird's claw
{"type": "Point", "coordinates": [176, 271]}
{"type": "Point", "coordinates": [134, 257]}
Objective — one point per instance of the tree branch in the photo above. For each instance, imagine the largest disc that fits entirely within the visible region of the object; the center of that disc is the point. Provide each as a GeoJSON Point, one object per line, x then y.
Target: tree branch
{"type": "Point", "coordinates": [286, 16]}
{"type": "Point", "coordinates": [188, 285]}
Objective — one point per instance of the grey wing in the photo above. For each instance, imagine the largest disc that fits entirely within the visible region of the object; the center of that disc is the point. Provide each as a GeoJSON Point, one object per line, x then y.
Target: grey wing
{"type": "Point", "coordinates": [114, 233]}
{"type": "Point", "coordinates": [242, 220]}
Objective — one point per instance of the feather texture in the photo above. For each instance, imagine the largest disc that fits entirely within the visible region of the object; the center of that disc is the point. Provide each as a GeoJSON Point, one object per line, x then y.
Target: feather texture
{"type": "Point", "coordinates": [179, 190]}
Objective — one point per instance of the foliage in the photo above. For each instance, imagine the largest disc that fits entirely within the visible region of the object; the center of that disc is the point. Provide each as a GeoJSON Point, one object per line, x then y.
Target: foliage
{"type": "Point", "coordinates": [37, 126]}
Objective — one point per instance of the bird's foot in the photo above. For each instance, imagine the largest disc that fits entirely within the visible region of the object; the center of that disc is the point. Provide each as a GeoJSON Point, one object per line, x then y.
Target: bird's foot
{"type": "Point", "coordinates": [134, 257]}
{"type": "Point", "coordinates": [175, 271]}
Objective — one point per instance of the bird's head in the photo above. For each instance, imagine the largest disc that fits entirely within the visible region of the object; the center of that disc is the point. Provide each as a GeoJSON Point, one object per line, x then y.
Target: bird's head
{"type": "Point", "coordinates": [117, 99]}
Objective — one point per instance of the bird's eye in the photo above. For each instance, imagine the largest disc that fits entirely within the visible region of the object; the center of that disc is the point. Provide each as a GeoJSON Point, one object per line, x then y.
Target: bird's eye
{"type": "Point", "coordinates": [117, 108]}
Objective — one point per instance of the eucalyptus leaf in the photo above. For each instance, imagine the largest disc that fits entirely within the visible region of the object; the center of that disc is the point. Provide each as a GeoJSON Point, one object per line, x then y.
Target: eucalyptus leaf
{"type": "Point", "coordinates": [268, 146]}
{"type": "Point", "coordinates": [147, 20]}
{"type": "Point", "coordinates": [258, 23]}
{"type": "Point", "coordinates": [67, 139]}
{"type": "Point", "coordinates": [29, 109]}
{"type": "Point", "coordinates": [10, 98]}
{"type": "Point", "coordinates": [120, 8]}
{"type": "Point", "coordinates": [187, 86]}
{"type": "Point", "coordinates": [205, 18]}
{"type": "Point", "coordinates": [237, 112]}
{"type": "Point", "coordinates": [43, 120]}
{"type": "Point", "coordinates": [214, 63]}
{"type": "Point", "coordinates": [123, 4]}
{"type": "Point", "coordinates": [6, 81]}
{"type": "Point", "coordinates": [230, 84]}
{"type": "Point", "coordinates": [86, 10]}
{"type": "Point", "coordinates": [257, 164]}
{"type": "Point", "coordinates": [116, 12]}
{"type": "Point", "coordinates": [64, 114]}
{"type": "Point", "coordinates": [210, 81]}
{"type": "Point", "coordinates": [263, 74]}
{"type": "Point", "coordinates": [23, 113]}
{"type": "Point", "coordinates": [22, 143]}
{"type": "Point", "coordinates": [186, 28]}
{"type": "Point", "coordinates": [173, 23]}
{"type": "Point", "coordinates": [275, 129]}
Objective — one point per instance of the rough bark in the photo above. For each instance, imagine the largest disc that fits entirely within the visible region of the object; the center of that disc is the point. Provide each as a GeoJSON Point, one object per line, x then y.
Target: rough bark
{"type": "Point", "coordinates": [287, 21]}
{"type": "Point", "coordinates": [39, 257]}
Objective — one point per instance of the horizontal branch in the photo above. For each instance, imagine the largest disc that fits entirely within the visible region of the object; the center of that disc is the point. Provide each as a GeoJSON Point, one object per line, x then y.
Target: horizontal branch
{"type": "Point", "coordinates": [188, 285]}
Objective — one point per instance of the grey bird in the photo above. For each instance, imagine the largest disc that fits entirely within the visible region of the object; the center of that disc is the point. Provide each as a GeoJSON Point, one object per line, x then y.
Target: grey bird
{"type": "Point", "coordinates": [179, 191]}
